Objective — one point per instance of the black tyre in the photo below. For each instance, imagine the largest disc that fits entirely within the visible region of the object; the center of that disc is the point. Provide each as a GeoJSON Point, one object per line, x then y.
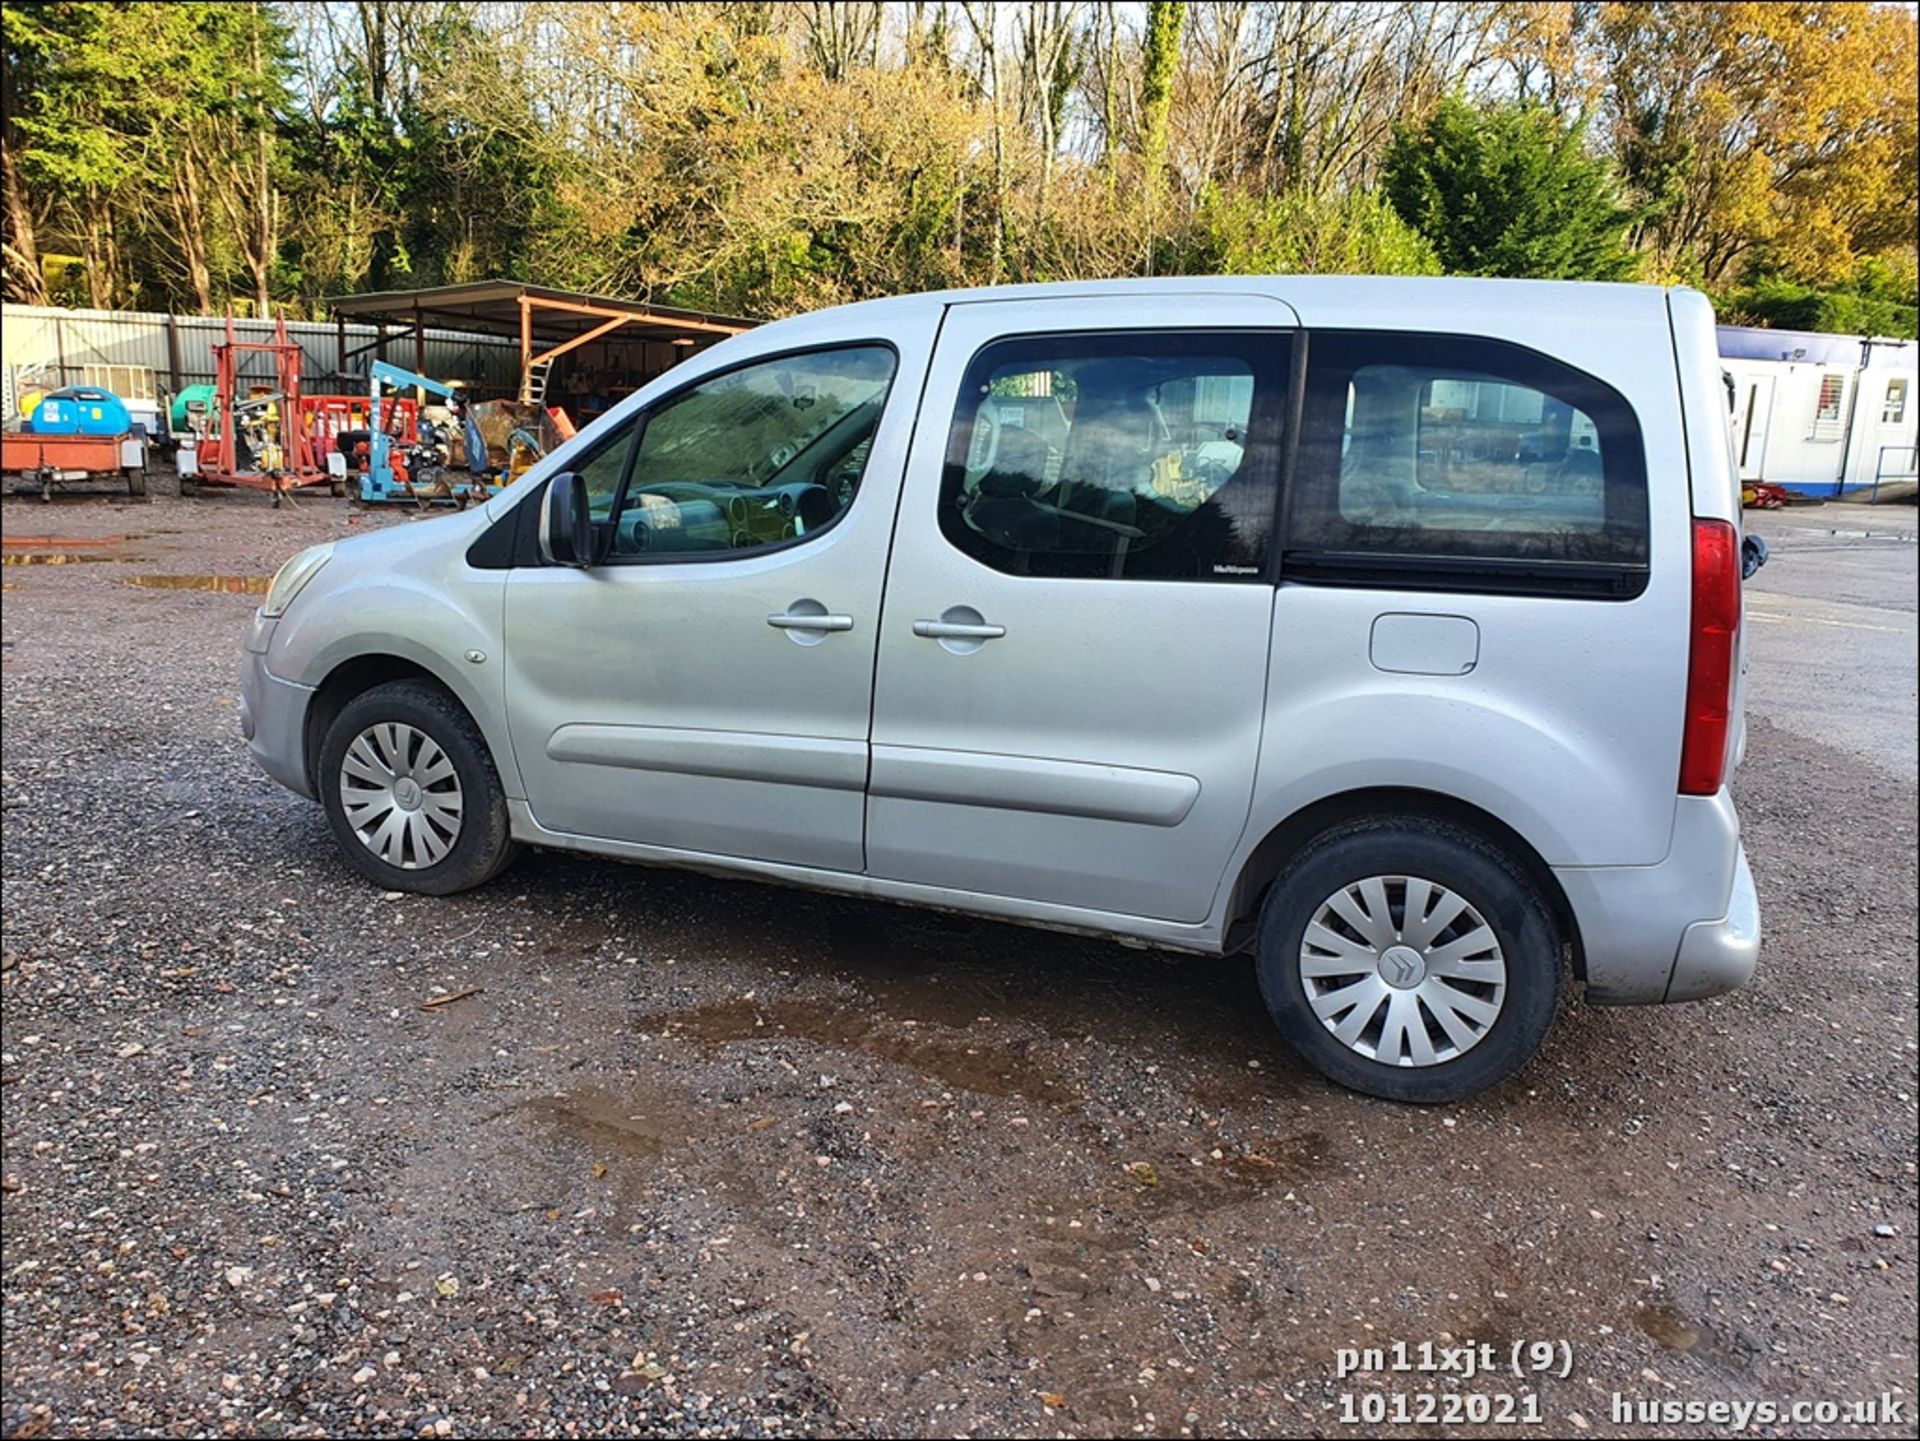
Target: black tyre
{"type": "Point", "coordinates": [136, 481]}
{"type": "Point", "coordinates": [411, 792]}
{"type": "Point", "coordinates": [1410, 959]}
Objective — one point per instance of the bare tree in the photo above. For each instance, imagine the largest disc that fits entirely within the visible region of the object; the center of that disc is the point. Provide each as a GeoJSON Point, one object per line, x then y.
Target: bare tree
{"type": "Point", "coordinates": [842, 35]}
{"type": "Point", "coordinates": [1048, 44]}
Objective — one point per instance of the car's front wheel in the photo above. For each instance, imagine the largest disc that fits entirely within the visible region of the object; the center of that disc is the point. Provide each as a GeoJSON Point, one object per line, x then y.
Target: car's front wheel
{"type": "Point", "coordinates": [411, 792]}
{"type": "Point", "coordinates": [1410, 959]}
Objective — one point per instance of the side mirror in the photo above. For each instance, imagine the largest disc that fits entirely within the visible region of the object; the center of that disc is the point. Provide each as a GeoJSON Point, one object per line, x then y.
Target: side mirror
{"type": "Point", "coordinates": [566, 527]}
{"type": "Point", "coordinates": [1753, 555]}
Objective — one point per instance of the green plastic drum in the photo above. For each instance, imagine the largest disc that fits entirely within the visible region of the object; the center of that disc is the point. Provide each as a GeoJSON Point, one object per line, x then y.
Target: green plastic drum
{"type": "Point", "coordinates": [201, 395]}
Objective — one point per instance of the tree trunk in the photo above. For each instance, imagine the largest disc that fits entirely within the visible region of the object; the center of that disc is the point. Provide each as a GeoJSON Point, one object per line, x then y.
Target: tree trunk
{"type": "Point", "coordinates": [984, 18]}
{"type": "Point", "coordinates": [1160, 65]}
{"type": "Point", "coordinates": [26, 283]}
{"type": "Point", "coordinates": [94, 250]}
{"type": "Point", "coordinates": [266, 203]}
{"type": "Point", "coordinates": [1110, 103]}
{"type": "Point", "coordinates": [190, 217]}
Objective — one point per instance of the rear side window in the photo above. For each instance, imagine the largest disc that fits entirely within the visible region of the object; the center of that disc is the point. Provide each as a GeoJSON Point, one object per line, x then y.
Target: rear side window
{"type": "Point", "coordinates": [1466, 463]}
{"type": "Point", "coordinates": [1132, 455]}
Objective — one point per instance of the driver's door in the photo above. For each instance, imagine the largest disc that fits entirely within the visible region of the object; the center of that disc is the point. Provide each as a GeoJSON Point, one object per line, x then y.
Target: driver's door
{"type": "Point", "coordinates": [707, 686]}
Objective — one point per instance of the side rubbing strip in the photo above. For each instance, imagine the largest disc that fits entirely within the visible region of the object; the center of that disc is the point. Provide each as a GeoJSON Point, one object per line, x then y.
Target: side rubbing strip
{"type": "Point", "coordinates": [732, 755]}
{"type": "Point", "coordinates": [1024, 783]}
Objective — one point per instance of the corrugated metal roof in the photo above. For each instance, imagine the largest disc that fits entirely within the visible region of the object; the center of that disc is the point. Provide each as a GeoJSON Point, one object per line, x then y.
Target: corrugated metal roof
{"type": "Point", "coordinates": [494, 306]}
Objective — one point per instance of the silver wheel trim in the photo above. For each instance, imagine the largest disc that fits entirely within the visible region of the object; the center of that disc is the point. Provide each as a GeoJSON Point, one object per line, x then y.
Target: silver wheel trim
{"type": "Point", "coordinates": [1403, 971]}
{"type": "Point", "coordinates": [401, 795]}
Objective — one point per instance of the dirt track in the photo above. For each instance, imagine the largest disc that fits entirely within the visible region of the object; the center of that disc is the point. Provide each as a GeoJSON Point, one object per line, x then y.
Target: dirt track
{"type": "Point", "coordinates": [713, 1157]}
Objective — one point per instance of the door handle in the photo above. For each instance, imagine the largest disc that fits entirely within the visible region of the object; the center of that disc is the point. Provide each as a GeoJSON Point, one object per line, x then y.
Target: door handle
{"type": "Point", "coordinates": [791, 620]}
{"type": "Point", "coordinates": [957, 630]}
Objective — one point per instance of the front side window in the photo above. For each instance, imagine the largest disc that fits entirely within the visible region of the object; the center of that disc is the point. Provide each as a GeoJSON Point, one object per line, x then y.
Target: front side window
{"type": "Point", "coordinates": [1120, 456]}
{"type": "Point", "coordinates": [1459, 451]}
{"type": "Point", "coordinates": [768, 453]}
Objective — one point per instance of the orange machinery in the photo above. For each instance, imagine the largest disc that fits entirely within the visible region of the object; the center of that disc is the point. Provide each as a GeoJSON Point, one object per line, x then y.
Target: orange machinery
{"type": "Point", "coordinates": [261, 442]}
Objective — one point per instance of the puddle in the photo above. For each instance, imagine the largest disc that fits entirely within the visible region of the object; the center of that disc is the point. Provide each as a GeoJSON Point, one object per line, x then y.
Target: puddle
{"type": "Point", "coordinates": [1175, 1184]}
{"type": "Point", "coordinates": [43, 542]}
{"type": "Point", "coordinates": [987, 1071]}
{"type": "Point", "coordinates": [1668, 1327]}
{"type": "Point", "coordinates": [1730, 1352]}
{"type": "Point", "coordinates": [931, 991]}
{"type": "Point", "coordinates": [225, 584]}
{"type": "Point", "coordinates": [54, 557]}
{"type": "Point", "coordinates": [607, 1123]}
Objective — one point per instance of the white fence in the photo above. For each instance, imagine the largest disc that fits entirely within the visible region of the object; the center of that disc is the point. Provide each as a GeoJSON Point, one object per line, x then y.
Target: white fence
{"type": "Point", "coordinates": [58, 345]}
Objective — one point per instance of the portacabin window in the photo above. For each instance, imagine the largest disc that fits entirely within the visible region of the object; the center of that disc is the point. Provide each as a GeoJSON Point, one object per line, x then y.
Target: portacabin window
{"type": "Point", "coordinates": [1828, 421]}
{"type": "Point", "coordinates": [1832, 388]}
{"type": "Point", "coordinates": [1444, 462]}
{"type": "Point", "coordinates": [1895, 409]}
{"type": "Point", "coordinates": [1120, 455]}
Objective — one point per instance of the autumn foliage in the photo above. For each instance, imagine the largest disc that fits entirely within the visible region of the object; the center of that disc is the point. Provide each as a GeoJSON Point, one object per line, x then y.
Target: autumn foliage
{"type": "Point", "coordinates": [765, 158]}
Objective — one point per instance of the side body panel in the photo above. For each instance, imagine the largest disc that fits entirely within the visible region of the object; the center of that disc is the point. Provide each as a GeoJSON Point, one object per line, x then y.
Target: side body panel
{"type": "Point", "coordinates": [655, 702]}
{"type": "Point", "coordinates": [1100, 753]}
{"type": "Point", "coordinates": [1567, 726]}
{"type": "Point", "coordinates": [407, 592]}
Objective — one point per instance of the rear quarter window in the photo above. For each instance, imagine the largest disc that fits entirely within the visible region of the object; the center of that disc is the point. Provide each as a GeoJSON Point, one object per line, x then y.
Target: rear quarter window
{"type": "Point", "coordinates": [1468, 464]}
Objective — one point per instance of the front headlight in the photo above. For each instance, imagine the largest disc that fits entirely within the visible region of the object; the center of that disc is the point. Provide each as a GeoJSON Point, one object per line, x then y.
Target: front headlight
{"type": "Point", "coordinates": [292, 577]}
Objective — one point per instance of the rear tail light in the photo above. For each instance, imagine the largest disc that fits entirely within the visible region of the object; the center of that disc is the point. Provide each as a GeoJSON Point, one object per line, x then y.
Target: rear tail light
{"type": "Point", "coordinates": [1711, 656]}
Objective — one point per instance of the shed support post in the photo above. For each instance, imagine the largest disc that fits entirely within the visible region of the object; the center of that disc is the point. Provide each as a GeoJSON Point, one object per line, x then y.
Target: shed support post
{"type": "Point", "coordinates": [173, 353]}
{"type": "Point", "coordinates": [526, 349]}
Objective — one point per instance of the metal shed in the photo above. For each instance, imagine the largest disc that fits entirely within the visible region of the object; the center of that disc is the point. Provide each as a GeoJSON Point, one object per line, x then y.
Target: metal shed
{"type": "Point", "coordinates": [585, 351]}
{"type": "Point", "coordinates": [143, 355]}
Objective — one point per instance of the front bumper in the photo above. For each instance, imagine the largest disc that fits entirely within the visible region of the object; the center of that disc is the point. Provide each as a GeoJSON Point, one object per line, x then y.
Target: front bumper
{"type": "Point", "coordinates": [1685, 928]}
{"type": "Point", "coordinates": [273, 715]}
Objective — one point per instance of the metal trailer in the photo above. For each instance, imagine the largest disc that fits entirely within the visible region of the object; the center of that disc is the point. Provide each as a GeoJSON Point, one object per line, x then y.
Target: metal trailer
{"type": "Point", "coordinates": [50, 460]}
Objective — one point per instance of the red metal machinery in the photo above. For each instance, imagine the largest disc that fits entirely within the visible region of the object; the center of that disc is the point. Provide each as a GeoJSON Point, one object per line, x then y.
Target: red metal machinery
{"type": "Point", "coordinates": [290, 458]}
{"type": "Point", "coordinates": [329, 416]}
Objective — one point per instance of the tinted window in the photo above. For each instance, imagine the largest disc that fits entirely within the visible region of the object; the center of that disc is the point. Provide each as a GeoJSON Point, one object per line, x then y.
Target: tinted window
{"type": "Point", "coordinates": [1462, 450]}
{"type": "Point", "coordinates": [1139, 456]}
{"type": "Point", "coordinates": [770, 452]}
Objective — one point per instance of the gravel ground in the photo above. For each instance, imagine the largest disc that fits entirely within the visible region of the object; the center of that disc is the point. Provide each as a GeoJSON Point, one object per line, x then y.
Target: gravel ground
{"type": "Point", "coordinates": [701, 1157]}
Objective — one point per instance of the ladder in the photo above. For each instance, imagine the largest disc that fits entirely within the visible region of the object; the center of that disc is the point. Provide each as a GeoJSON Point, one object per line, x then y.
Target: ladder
{"type": "Point", "coordinates": [533, 383]}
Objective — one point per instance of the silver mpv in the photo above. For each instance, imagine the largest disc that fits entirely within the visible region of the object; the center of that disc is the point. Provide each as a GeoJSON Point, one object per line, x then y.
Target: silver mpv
{"type": "Point", "coordinates": [1389, 629]}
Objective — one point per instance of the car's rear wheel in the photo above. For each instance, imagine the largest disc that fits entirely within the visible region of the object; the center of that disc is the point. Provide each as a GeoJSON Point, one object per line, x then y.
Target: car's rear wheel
{"type": "Point", "coordinates": [411, 792]}
{"type": "Point", "coordinates": [1410, 959]}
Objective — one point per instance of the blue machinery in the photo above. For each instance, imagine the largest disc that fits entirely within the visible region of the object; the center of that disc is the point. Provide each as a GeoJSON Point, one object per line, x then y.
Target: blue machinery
{"type": "Point", "coordinates": [424, 474]}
